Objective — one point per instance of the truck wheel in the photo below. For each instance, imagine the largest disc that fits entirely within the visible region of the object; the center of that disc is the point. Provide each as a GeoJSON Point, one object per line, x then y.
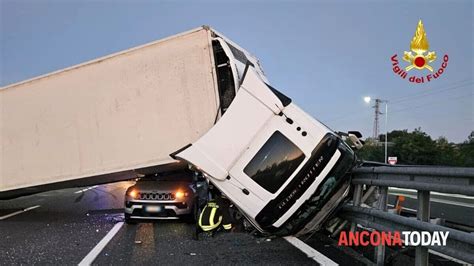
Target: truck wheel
{"type": "Point", "coordinates": [129, 220]}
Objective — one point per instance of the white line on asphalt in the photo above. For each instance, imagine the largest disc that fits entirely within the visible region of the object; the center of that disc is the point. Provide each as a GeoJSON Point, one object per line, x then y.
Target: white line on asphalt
{"type": "Point", "coordinates": [412, 210]}
{"type": "Point", "coordinates": [448, 257]}
{"type": "Point", "coordinates": [433, 192]}
{"type": "Point", "coordinates": [312, 253]}
{"type": "Point", "coordinates": [433, 199]}
{"type": "Point", "coordinates": [18, 212]}
{"type": "Point", "coordinates": [101, 245]}
{"type": "Point", "coordinates": [84, 190]}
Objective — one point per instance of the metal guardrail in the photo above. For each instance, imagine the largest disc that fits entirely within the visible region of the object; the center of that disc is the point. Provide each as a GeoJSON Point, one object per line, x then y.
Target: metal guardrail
{"type": "Point", "coordinates": [441, 179]}
{"type": "Point", "coordinates": [452, 180]}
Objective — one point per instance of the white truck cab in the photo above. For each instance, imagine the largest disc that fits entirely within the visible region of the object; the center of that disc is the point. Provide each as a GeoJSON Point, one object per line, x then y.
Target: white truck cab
{"type": "Point", "coordinates": [283, 169]}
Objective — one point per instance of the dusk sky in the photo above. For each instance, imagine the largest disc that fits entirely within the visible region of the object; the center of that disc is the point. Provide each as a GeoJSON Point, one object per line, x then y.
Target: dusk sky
{"type": "Point", "coordinates": [326, 56]}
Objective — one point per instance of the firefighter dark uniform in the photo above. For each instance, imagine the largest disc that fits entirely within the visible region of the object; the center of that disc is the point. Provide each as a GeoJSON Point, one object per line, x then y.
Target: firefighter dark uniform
{"type": "Point", "coordinates": [215, 215]}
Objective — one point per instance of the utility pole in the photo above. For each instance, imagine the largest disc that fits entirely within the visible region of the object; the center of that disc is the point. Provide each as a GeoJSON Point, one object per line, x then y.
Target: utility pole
{"type": "Point", "coordinates": [376, 119]}
{"type": "Point", "coordinates": [367, 99]}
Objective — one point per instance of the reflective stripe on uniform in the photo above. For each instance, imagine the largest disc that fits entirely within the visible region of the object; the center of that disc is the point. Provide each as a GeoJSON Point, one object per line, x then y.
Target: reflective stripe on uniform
{"type": "Point", "coordinates": [212, 205]}
{"type": "Point", "coordinates": [211, 217]}
{"type": "Point", "coordinates": [211, 227]}
{"type": "Point", "coordinates": [209, 214]}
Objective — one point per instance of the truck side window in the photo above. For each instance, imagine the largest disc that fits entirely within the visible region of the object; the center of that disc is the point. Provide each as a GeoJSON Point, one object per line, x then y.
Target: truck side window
{"type": "Point", "coordinates": [274, 162]}
{"type": "Point", "coordinates": [239, 55]}
{"type": "Point", "coordinates": [225, 79]}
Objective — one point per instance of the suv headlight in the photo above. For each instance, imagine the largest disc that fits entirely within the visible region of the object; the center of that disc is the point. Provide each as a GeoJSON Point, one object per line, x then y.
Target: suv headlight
{"type": "Point", "coordinates": [133, 193]}
{"type": "Point", "coordinates": [180, 194]}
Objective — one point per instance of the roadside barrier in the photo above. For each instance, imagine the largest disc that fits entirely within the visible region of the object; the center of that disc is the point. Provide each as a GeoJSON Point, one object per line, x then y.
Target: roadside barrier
{"type": "Point", "coordinates": [424, 179]}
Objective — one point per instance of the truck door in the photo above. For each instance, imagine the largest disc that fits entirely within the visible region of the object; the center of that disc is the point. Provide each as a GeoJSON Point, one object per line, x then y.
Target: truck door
{"type": "Point", "coordinates": [220, 151]}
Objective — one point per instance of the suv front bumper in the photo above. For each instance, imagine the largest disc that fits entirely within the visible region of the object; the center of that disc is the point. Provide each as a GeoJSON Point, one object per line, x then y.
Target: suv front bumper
{"type": "Point", "coordinates": [137, 209]}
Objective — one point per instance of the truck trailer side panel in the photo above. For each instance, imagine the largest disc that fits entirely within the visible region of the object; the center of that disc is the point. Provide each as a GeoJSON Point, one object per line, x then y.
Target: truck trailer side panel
{"type": "Point", "coordinates": [121, 112]}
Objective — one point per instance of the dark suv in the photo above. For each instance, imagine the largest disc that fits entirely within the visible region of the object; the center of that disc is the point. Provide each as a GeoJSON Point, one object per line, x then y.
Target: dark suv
{"type": "Point", "coordinates": [164, 196]}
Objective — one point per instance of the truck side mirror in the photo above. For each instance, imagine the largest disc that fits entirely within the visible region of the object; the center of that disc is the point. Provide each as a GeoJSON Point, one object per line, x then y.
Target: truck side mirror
{"type": "Point", "coordinates": [355, 133]}
{"type": "Point", "coordinates": [358, 144]}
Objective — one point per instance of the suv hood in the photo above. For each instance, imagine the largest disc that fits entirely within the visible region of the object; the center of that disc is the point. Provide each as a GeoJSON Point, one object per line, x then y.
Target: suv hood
{"type": "Point", "coordinates": [161, 186]}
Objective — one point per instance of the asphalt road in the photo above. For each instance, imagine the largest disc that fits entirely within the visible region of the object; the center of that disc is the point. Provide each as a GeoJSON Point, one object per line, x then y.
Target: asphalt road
{"type": "Point", "coordinates": [65, 226]}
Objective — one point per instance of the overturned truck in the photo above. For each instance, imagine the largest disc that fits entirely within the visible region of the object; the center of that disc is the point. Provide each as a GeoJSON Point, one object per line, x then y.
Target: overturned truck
{"type": "Point", "coordinates": [195, 98]}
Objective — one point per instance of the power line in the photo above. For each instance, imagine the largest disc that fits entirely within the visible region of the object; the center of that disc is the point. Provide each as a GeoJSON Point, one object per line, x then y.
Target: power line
{"type": "Point", "coordinates": [456, 83]}
{"type": "Point", "coordinates": [422, 105]}
{"type": "Point", "coordinates": [399, 110]}
{"type": "Point", "coordinates": [431, 92]}
{"type": "Point", "coordinates": [410, 97]}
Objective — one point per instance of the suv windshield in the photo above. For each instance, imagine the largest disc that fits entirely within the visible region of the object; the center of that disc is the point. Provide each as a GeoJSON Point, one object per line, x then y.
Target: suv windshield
{"type": "Point", "coordinates": [274, 162]}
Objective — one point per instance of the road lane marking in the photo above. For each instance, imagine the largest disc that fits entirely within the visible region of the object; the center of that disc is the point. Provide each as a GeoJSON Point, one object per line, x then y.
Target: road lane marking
{"type": "Point", "coordinates": [405, 208]}
{"type": "Point", "coordinates": [84, 190]}
{"type": "Point", "coordinates": [309, 251]}
{"type": "Point", "coordinates": [101, 245]}
{"type": "Point", "coordinates": [444, 201]}
{"type": "Point", "coordinates": [18, 212]}
{"type": "Point", "coordinates": [448, 257]}
{"type": "Point", "coordinates": [394, 189]}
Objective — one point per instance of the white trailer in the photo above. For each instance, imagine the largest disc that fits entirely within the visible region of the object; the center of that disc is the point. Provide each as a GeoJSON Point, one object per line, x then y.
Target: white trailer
{"type": "Point", "coordinates": [97, 121]}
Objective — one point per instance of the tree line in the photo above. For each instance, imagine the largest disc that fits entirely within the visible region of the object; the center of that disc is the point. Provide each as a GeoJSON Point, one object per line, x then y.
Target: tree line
{"type": "Point", "coordinates": [419, 148]}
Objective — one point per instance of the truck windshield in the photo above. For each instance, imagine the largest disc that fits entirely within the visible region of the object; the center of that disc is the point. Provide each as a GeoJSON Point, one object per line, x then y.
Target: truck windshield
{"type": "Point", "coordinates": [274, 162]}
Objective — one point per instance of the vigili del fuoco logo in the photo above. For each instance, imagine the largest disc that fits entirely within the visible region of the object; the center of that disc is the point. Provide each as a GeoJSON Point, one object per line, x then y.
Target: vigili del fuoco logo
{"type": "Point", "coordinates": [420, 58]}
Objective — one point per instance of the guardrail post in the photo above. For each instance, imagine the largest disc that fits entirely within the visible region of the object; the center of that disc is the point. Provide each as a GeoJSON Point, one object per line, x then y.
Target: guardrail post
{"type": "Point", "coordinates": [381, 205]}
{"type": "Point", "coordinates": [423, 214]}
{"type": "Point", "coordinates": [367, 194]}
{"type": "Point", "coordinates": [356, 202]}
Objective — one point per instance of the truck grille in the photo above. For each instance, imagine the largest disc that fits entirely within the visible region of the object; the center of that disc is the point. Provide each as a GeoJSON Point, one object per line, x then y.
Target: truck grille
{"type": "Point", "coordinates": [156, 196]}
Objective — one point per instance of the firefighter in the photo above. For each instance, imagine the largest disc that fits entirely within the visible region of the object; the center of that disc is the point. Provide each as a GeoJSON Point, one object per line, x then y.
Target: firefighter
{"type": "Point", "coordinates": [214, 217]}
